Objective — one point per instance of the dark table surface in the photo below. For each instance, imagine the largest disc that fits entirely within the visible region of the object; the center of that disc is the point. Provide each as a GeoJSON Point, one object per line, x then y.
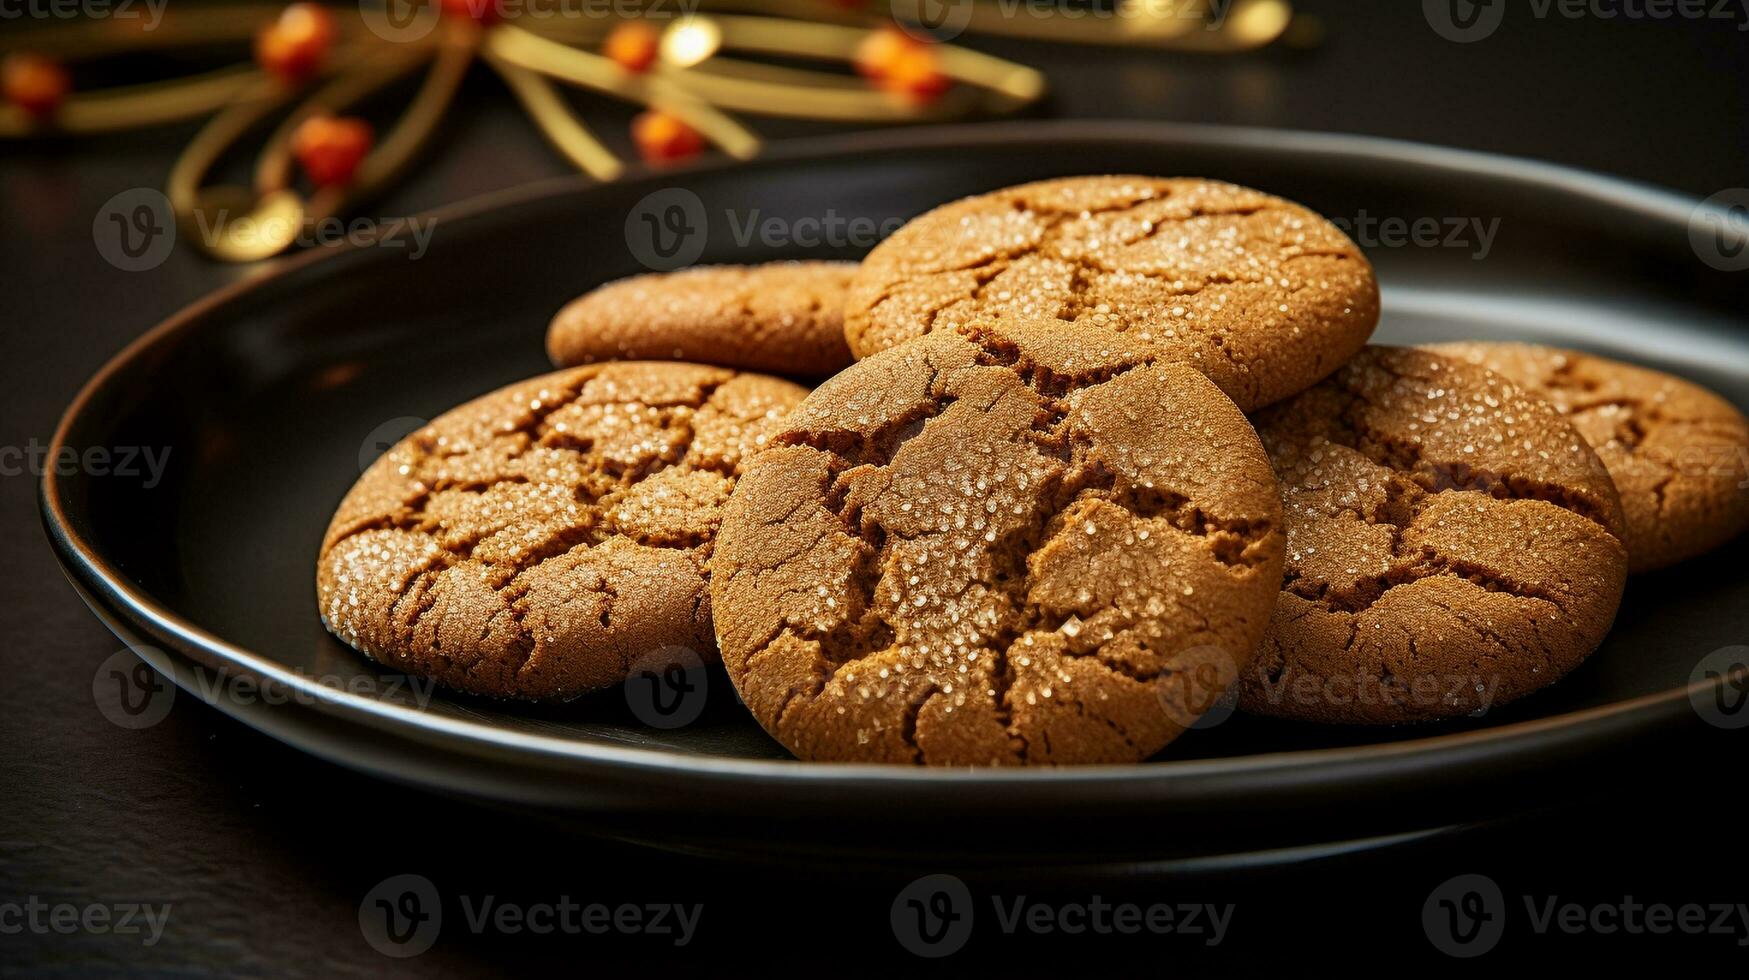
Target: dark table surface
{"type": "Point", "coordinates": [264, 855]}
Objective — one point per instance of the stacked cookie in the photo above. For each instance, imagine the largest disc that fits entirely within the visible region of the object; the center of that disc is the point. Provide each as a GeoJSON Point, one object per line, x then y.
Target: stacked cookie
{"type": "Point", "coordinates": [1111, 449]}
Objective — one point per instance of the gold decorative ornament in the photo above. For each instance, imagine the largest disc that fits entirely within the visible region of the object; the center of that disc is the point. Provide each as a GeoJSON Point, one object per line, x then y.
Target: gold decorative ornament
{"type": "Point", "coordinates": [689, 72]}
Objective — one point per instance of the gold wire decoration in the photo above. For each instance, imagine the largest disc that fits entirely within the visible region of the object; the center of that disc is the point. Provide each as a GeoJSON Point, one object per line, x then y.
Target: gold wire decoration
{"type": "Point", "coordinates": [697, 79]}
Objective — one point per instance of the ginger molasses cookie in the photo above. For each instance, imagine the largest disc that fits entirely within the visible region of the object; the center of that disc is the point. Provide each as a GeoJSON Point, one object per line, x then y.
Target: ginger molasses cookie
{"type": "Point", "coordinates": [1678, 453]}
{"type": "Point", "coordinates": [1451, 545]}
{"type": "Point", "coordinates": [1001, 544]}
{"type": "Point", "coordinates": [1259, 294]}
{"type": "Point", "coordinates": [536, 541]}
{"type": "Point", "coordinates": [782, 317]}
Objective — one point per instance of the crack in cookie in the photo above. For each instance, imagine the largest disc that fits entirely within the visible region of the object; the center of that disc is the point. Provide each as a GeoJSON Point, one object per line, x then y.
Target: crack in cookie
{"type": "Point", "coordinates": [1258, 293]}
{"type": "Point", "coordinates": [534, 542]}
{"type": "Point", "coordinates": [1442, 526]}
{"type": "Point", "coordinates": [1678, 453]}
{"type": "Point", "coordinates": [995, 546]}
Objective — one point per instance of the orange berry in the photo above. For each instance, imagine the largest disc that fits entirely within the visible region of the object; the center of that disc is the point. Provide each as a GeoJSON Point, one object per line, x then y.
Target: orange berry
{"type": "Point", "coordinates": [633, 45]}
{"type": "Point", "coordinates": [915, 75]}
{"type": "Point", "coordinates": [661, 138]}
{"type": "Point", "coordinates": [483, 11]}
{"type": "Point", "coordinates": [877, 52]}
{"type": "Point", "coordinates": [330, 149]}
{"type": "Point", "coordinates": [294, 45]}
{"type": "Point", "coordinates": [36, 84]}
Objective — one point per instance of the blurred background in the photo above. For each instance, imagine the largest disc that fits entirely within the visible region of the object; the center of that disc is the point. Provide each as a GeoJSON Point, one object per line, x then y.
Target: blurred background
{"type": "Point", "coordinates": [264, 851]}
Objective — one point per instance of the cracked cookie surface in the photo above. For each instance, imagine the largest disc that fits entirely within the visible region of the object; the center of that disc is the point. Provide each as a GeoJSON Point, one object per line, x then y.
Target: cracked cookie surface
{"type": "Point", "coordinates": [1678, 453]}
{"type": "Point", "coordinates": [1451, 545]}
{"type": "Point", "coordinates": [1000, 544]}
{"type": "Point", "coordinates": [1260, 294]}
{"type": "Point", "coordinates": [781, 317]}
{"type": "Point", "coordinates": [534, 542]}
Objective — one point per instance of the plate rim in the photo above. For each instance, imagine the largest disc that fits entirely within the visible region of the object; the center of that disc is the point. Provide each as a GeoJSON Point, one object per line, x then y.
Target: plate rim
{"type": "Point", "coordinates": [82, 560]}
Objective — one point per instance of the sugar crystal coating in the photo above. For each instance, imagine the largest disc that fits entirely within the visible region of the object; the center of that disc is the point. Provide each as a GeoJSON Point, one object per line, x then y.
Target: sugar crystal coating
{"type": "Point", "coordinates": [1451, 545]}
{"type": "Point", "coordinates": [1261, 295]}
{"type": "Point", "coordinates": [1678, 453]}
{"type": "Point", "coordinates": [536, 541]}
{"type": "Point", "coordinates": [1001, 544]}
{"type": "Point", "coordinates": [781, 317]}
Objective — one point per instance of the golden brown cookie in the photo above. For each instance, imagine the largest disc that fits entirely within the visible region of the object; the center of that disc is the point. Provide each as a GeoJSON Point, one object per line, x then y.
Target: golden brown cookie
{"type": "Point", "coordinates": [1451, 545]}
{"type": "Point", "coordinates": [1259, 294]}
{"type": "Point", "coordinates": [782, 317]}
{"type": "Point", "coordinates": [1001, 544]}
{"type": "Point", "coordinates": [536, 541]}
{"type": "Point", "coordinates": [1678, 453]}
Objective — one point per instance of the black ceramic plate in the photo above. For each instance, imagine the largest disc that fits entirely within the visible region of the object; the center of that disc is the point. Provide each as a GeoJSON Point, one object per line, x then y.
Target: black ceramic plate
{"type": "Point", "coordinates": [266, 392]}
